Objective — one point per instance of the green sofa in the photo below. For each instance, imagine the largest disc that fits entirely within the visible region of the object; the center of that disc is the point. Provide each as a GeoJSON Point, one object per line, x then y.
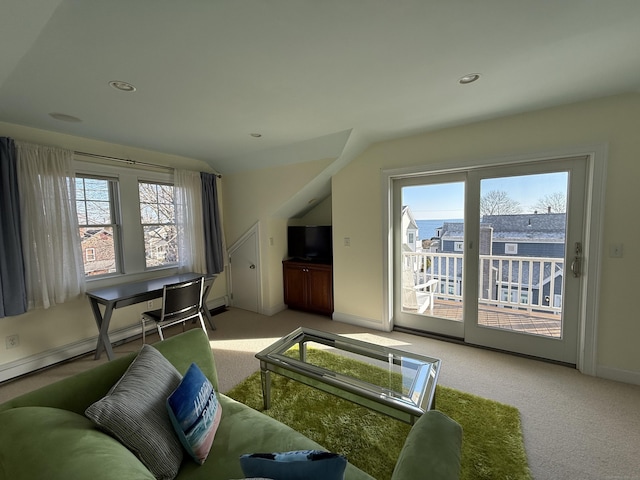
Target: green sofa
{"type": "Point", "coordinates": [44, 433]}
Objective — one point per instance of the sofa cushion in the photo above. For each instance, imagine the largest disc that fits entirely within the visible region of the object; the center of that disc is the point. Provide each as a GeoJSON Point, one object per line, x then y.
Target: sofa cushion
{"type": "Point", "coordinates": [195, 413]}
{"type": "Point", "coordinates": [134, 411]}
{"type": "Point", "coordinates": [44, 442]}
{"type": "Point", "coordinates": [295, 465]}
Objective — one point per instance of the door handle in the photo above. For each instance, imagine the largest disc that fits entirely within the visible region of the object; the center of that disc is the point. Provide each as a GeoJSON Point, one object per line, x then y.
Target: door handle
{"type": "Point", "coordinates": [576, 265]}
{"type": "Point", "coordinates": [252, 266]}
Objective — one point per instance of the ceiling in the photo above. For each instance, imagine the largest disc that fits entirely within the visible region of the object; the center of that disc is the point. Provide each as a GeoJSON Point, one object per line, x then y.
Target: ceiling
{"type": "Point", "coordinates": [302, 72]}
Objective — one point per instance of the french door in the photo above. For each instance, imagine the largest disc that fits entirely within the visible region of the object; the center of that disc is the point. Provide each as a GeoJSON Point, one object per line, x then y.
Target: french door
{"type": "Point", "coordinates": [492, 255]}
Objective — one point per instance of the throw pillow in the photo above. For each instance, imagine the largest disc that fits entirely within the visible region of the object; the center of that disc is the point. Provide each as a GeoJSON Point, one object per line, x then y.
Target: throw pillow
{"type": "Point", "coordinates": [134, 411]}
{"type": "Point", "coordinates": [195, 413]}
{"type": "Point", "coordinates": [295, 465]}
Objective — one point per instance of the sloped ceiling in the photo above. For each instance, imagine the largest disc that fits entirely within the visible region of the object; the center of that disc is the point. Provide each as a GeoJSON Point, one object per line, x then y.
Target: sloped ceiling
{"type": "Point", "coordinates": [301, 72]}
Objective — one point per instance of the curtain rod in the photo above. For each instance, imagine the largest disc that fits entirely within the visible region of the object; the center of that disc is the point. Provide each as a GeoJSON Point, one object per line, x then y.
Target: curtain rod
{"type": "Point", "coordinates": [129, 161]}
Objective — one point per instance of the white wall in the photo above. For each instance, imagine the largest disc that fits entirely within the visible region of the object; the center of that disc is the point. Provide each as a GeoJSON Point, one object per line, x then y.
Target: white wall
{"type": "Point", "coordinates": [357, 201]}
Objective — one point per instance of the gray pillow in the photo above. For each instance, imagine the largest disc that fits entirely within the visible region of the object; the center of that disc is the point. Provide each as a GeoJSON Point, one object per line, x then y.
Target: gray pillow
{"type": "Point", "coordinates": [134, 411]}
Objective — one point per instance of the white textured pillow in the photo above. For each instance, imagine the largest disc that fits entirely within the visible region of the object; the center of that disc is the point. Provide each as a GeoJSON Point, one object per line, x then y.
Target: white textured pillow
{"type": "Point", "coordinates": [134, 411]}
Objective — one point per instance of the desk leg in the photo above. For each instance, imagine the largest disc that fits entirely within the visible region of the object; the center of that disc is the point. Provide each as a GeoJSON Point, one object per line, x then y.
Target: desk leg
{"type": "Point", "coordinates": [207, 315]}
{"type": "Point", "coordinates": [103, 328]}
{"type": "Point", "coordinates": [207, 287]}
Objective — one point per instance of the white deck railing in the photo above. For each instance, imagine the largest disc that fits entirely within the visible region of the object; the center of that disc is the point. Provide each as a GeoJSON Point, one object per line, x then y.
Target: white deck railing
{"type": "Point", "coordinates": [527, 283]}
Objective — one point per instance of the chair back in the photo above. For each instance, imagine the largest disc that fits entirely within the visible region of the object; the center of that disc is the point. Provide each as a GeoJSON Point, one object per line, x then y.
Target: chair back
{"type": "Point", "coordinates": [182, 299]}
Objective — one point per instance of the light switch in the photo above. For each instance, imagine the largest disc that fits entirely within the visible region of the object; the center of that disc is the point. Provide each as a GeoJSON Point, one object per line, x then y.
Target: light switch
{"type": "Point", "coordinates": [347, 241]}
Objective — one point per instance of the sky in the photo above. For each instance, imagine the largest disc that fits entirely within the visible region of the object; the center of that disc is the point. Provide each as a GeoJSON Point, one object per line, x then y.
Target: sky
{"type": "Point", "coordinates": [446, 200]}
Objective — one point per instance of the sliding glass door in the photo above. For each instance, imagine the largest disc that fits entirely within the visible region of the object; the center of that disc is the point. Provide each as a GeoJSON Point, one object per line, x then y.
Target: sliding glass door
{"type": "Point", "coordinates": [426, 208]}
{"type": "Point", "coordinates": [493, 255]}
{"type": "Point", "coordinates": [529, 258]}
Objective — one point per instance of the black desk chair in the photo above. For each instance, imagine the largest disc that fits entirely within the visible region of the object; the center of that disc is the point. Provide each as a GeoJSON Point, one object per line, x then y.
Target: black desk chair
{"type": "Point", "coordinates": [180, 302]}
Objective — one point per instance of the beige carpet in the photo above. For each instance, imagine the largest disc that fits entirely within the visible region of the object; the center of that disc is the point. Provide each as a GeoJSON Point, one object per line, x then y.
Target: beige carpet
{"type": "Point", "coordinates": [575, 426]}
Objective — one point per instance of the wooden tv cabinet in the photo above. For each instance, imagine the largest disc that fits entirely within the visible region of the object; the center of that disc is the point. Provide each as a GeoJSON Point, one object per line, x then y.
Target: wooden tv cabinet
{"type": "Point", "coordinates": [308, 286]}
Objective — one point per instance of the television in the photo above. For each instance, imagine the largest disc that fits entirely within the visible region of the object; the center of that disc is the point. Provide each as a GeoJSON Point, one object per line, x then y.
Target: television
{"type": "Point", "coordinates": [311, 243]}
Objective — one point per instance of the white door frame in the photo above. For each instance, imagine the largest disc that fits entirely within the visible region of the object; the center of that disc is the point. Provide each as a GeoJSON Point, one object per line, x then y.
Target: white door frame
{"type": "Point", "coordinates": [254, 230]}
{"type": "Point", "coordinates": [594, 222]}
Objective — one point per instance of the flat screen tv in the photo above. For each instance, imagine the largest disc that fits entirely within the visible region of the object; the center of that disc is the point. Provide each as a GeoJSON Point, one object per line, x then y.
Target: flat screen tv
{"type": "Point", "coordinates": [310, 243]}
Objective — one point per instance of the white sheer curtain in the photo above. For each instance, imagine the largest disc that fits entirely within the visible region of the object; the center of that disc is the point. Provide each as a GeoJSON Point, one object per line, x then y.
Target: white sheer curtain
{"type": "Point", "coordinates": [50, 235]}
{"type": "Point", "coordinates": [188, 187]}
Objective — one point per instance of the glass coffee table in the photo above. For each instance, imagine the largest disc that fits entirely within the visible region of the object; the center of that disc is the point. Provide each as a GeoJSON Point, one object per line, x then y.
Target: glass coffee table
{"type": "Point", "coordinates": [403, 386]}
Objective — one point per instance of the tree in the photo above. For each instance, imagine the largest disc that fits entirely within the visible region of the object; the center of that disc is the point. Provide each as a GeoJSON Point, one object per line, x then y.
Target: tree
{"type": "Point", "coordinates": [498, 202]}
{"type": "Point", "coordinates": [552, 203]}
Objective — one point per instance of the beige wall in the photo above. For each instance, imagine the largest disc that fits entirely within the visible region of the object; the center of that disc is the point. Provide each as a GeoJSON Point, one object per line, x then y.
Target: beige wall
{"type": "Point", "coordinates": [357, 206]}
{"type": "Point", "coordinates": [356, 213]}
{"type": "Point", "coordinates": [255, 196]}
{"type": "Point", "coordinates": [46, 335]}
{"type": "Point", "coordinates": [319, 215]}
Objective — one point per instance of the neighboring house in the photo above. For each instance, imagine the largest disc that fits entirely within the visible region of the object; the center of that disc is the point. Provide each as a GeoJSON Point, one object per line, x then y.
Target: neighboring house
{"type": "Point", "coordinates": [409, 229]}
{"type": "Point", "coordinates": [510, 240]}
{"type": "Point", "coordinates": [97, 251]}
{"type": "Point", "coordinates": [537, 235]}
{"type": "Point", "coordinates": [161, 245]}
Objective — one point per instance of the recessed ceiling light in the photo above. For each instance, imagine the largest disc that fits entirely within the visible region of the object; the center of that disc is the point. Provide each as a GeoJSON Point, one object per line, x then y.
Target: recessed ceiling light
{"type": "Point", "coordinates": [469, 78]}
{"type": "Point", "coordinates": [64, 117]}
{"type": "Point", "coordinates": [256, 135]}
{"type": "Point", "coordinates": [122, 86]}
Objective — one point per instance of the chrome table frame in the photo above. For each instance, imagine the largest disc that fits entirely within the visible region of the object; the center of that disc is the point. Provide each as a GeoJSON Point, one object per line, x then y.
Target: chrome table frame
{"type": "Point", "coordinates": [405, 406]}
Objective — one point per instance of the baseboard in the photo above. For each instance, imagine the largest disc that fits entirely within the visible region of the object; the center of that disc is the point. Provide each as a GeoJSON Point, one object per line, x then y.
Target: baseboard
{"type": "Point", "coordinates": [50, 357]}
{"type": "Point", "coordinates": [359, 321]}
{"type": "Point", "coordinates": [269, 312]}
{"type": "Point", "coordinates": [217, 303]}
{"type": "Point", "coordinates": [617, 374]}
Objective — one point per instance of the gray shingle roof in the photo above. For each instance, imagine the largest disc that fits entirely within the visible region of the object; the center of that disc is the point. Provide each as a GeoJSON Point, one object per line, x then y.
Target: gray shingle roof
{"type": "Point", "coordinates": [524, 227]}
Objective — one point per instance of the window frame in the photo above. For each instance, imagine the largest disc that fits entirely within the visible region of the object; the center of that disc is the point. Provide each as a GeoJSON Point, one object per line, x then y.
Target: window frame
{"type": "Point", "coordinates": [115, 221]}
{"type": "Point", "coordinates": [132, 241]}
{"type": "Point", "coordinates": [159, 223]}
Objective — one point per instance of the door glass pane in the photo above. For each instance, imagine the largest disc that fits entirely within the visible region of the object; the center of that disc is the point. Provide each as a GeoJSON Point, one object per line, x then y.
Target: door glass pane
{"type": "Point", "coordinates": [432, 250]}
{"type": "Point", "coordinates": [523, 223]}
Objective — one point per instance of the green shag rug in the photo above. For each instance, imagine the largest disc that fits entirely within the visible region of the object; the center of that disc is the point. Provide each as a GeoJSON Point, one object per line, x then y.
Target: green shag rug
{"type": "Point", "coordinates": [492, 446]}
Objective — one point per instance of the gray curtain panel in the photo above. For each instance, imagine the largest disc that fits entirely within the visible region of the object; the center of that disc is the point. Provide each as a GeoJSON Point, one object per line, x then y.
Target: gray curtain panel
{"type": "Point", "coordinates": [13, 294]}
{"type": "Point", "coordinates": [212, 224]}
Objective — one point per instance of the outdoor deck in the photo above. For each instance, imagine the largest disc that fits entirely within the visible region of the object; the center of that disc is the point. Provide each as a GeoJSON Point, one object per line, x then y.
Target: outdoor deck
{"type": "Point", "coordinates": [546, 324]}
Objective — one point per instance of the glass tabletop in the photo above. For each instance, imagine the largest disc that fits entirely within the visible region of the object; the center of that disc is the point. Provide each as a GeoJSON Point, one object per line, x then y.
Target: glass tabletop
{"type": "Point", "coordinates": [391, 375]}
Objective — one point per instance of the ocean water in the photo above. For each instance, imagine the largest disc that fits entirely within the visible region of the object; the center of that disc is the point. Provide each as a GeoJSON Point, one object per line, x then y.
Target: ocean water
{"type": "Point", "coordinates": [427, 228]}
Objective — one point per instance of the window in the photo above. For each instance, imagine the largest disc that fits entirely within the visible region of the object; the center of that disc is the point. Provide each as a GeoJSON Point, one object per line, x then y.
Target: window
{"type": "Point", "coordinates": [458, 246]}
{"type": "Point", "coordinates": [411, 239]}
{"type": "Point", "coordinates": [511, 248]}
{"type": "Point", "coordinates": [158, 217]}
{"type": "Point", "coordinates": [97, 220]}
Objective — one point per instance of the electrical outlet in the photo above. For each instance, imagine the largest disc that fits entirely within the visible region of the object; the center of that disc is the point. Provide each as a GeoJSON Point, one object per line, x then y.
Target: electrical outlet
{"type": "Point", "coordinates": [150, 304]}
{"type": "Point", "coordinates": [12, 341]}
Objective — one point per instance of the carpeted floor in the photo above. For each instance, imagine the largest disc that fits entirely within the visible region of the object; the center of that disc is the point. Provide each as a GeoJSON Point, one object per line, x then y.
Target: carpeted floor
{"type": "Point", "coordinates": [575, 426]}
